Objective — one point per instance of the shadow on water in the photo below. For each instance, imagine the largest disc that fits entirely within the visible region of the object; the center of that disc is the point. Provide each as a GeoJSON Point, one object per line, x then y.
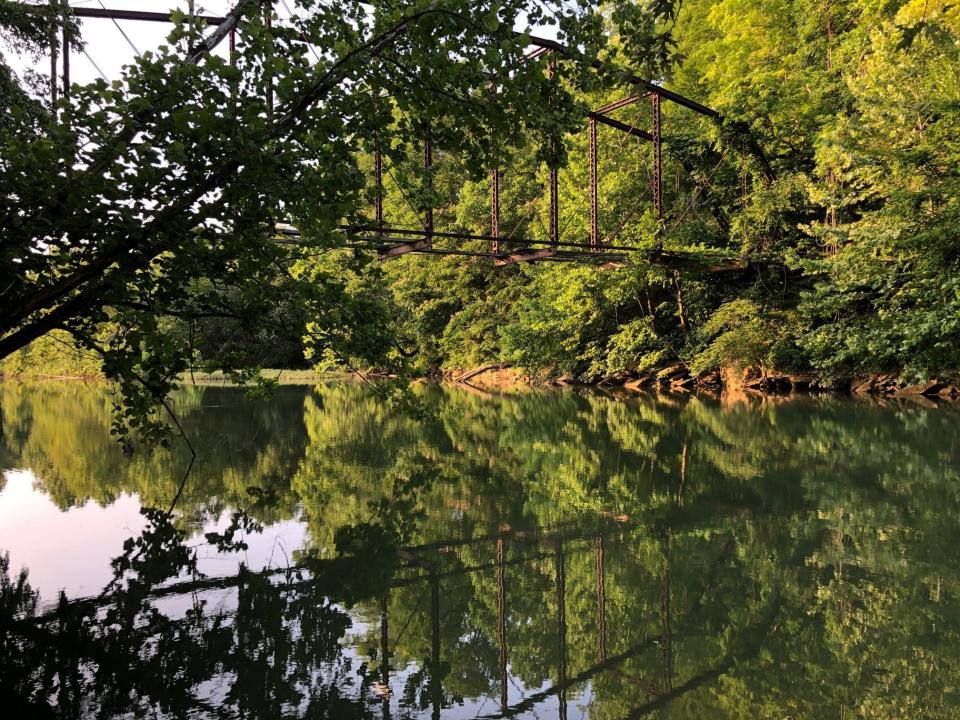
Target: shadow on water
{"type": "Point", "coordinates": [540, 555]}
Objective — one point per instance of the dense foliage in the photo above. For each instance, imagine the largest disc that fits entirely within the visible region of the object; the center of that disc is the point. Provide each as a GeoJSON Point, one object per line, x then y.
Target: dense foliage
{"type": "Point", "coordinates": [850, 233]}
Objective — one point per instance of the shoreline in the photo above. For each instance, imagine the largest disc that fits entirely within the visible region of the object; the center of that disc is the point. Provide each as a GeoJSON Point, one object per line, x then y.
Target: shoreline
{"type": "Point", "coordinates": [499, 378]}
{"type": "Point", "coordinates": [676, 379]}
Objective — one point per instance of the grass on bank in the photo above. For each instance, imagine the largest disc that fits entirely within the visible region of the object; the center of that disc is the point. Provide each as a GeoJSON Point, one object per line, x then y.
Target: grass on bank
{"type": "Point", "coordinates": [52, 356]}
{"type": "Point", "coordinates": [55, 356]}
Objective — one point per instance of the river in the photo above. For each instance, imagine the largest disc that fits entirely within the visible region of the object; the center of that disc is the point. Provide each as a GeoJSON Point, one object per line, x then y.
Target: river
{"type": "Point", "coordinates": [336, 553]}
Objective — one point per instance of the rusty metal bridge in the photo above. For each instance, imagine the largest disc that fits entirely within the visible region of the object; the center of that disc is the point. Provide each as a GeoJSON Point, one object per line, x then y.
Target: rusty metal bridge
{"type": "Point", "coordinates": [390, 240]}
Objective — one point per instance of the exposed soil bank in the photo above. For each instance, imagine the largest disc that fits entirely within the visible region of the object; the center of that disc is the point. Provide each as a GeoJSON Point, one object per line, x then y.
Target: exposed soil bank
{"type": "Point", "coordinates": [677, 378]}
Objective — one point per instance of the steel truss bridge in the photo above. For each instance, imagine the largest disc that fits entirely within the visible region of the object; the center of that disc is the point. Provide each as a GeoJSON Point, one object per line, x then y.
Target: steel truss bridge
{"type": "Point", "coordinates": [392, 241]}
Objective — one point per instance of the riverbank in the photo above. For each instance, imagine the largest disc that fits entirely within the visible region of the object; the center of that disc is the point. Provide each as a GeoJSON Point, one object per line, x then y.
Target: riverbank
{"type": "Point", "coordinates": [277, 375]}
{"type": "Point", "coordinates": [678, 378]}
{"type": "Point", "coordinates": [505, 377]}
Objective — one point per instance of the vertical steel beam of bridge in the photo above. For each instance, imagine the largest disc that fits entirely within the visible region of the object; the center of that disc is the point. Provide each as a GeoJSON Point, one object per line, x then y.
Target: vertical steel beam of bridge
{"type": "Point", "coordinates": [657, 180]}
{"type": "Point", "coordinates": [378, 177]}
{"type": "Point", "coordinates": [66, 64]}
{"type": "Point", "coordinates": [502, 624]}
{"type": "Point", "coordinates": [268, 22]}
{"type": "Point", "coordinates": [554, 209]}
{"type": "Point", "coordinates": [495, 209]}
{"type": "Point", "coordinates": [494, 193]}
{"type": "Point", "coordinates": [594, 220]}
{"type": "Point", "coordinates": [554, 224]}
{"type": "Point", "coordinates": [428, 210]}
{"type": "Point", "coordinates": [54, 49]}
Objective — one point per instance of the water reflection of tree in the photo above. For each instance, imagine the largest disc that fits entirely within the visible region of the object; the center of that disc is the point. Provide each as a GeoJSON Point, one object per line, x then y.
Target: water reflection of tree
{"type": "Point", "coordinates": [266, 647]}
{"type": "Point", "coordinates": [839, 512]}
{"type": "Point", "coordinates": [247, 449]}
{"type": "Point", "coordinates": [738, 561]}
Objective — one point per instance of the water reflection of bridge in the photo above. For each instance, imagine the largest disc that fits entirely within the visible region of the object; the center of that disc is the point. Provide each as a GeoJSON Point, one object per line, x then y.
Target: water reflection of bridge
{"type": "Point", "coordinates": [424, 564]}
{"type": "Point", "coordinates": [555, 545]}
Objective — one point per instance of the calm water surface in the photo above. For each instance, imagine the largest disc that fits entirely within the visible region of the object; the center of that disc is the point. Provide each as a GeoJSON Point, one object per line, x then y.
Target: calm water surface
{"type": "Point", "coordinates": [547, 555]}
